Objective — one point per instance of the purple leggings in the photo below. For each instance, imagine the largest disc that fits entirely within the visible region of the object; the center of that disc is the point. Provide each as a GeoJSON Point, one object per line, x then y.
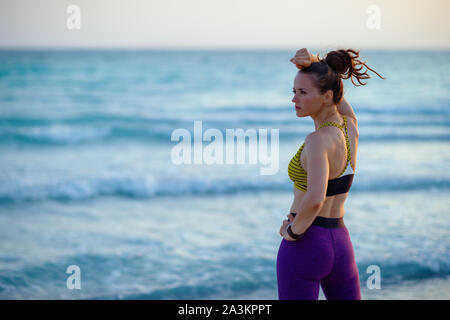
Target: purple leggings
{"type": "Point", "coordinates": [323, 256]}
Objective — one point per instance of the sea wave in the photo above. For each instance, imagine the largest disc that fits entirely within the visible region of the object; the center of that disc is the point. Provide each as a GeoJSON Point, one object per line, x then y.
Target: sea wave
{"type": "Point", "coordinates": [111, 276]}
{"type": "Point", "coordinates": [143, 188]}
{"type": "Point", "coordinates": [392, 274]}
{"type": "Point", "coordinates": [94, 129]}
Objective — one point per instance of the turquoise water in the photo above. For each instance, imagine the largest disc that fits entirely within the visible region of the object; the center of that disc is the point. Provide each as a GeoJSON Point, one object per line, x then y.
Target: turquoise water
{"type": "Point", "coordinates": [87, 177]}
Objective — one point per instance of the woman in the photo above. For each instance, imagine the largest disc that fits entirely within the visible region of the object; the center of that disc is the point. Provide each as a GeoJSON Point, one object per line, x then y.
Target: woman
{"type": "Point", "coordinates": [316, 247]}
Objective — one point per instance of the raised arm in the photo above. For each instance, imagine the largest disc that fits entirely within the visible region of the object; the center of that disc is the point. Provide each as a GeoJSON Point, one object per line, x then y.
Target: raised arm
{"type": "Point", "coordinates": [346, 109]}
{"type": "Point", "coordinates": [303, 58]}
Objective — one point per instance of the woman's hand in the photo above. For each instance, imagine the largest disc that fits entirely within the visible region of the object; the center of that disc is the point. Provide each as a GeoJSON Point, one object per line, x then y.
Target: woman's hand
{"type": "Point", "coordinates": [303, 58]}
{"type": "Point", "coordinates": [283, 228]}
{"type": "Point", "coordinates": [290, 217]}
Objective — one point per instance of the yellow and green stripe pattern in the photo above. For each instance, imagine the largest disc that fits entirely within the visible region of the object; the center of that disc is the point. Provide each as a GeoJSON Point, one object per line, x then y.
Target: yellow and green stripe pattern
{"type": "Point", "coordinates": [295, 171]}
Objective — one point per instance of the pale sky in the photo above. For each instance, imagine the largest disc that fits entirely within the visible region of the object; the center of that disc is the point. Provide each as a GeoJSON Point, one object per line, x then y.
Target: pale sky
{"type": "Point", "coordinates": [217, 24]}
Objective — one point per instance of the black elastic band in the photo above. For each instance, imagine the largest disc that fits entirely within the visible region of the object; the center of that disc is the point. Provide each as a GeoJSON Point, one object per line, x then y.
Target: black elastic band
{"type": "Point", "coordinates": [340, 185]}
{"type": "Point", "coordinates": [327, 222]}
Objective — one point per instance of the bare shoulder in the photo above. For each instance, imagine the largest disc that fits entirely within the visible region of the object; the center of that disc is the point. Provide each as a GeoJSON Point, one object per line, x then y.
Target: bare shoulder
{"type": "Point", "coordinates": [317, 141]}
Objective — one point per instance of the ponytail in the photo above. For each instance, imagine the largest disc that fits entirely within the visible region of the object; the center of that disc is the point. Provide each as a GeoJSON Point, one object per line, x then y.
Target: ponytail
{"type": "Point", "coordinates": [347, 65]}
{"type": "Point", "coordinates": [337, 65]}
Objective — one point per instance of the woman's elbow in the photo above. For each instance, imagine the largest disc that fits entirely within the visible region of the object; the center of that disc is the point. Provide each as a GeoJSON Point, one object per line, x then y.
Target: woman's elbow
{"type": "Point", "coordinates": [316, 202]}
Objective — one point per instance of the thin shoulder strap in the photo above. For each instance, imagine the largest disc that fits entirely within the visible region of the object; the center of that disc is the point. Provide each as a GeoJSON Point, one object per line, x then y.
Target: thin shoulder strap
{"type": "Point", "coordinates": [347, 143]}
{"type": "Point", "coordinates": [349, 155]}
{"type": "Point", "coordinates": [333, 124]}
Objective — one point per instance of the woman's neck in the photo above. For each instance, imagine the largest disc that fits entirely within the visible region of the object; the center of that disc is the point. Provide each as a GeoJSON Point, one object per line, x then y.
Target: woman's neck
{"type": "Point", "coordinates": [327, 114]}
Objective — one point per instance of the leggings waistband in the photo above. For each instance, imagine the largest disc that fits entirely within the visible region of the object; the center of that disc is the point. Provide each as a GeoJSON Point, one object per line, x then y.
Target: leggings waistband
{"type": "Point", "coordinates": [327, 222]}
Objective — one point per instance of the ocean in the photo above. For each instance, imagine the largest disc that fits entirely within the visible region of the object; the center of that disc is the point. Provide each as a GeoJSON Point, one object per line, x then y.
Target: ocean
{"type": "Point", "coordinates": [88, 177]}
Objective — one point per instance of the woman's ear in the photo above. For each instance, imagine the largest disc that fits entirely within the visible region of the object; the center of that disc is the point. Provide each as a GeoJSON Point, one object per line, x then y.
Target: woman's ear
{"type": "Point", "coordinates": [328, 97]}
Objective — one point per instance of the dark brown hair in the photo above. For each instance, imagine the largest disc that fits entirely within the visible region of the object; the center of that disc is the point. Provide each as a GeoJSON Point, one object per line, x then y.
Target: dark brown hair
{"type": "Point", "coordinates": [337, 65]}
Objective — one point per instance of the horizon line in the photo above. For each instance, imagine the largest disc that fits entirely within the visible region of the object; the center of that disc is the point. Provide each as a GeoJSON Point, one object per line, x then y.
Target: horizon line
{"type": "Point", "coordinates": [211, 48]}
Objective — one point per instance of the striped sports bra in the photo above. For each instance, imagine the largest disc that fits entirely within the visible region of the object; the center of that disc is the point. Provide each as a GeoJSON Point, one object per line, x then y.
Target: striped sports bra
{"type": "Point", "coordinates": [338, 185]}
